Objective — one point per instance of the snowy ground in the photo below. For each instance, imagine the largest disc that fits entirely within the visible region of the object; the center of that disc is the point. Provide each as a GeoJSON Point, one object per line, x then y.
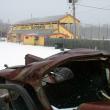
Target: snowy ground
{"type": "Point", "coordinates": [13, 54]}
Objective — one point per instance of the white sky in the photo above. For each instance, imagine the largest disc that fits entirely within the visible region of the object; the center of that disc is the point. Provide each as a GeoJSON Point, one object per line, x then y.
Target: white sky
{"type": "Point", "coordinates": [17, 10]}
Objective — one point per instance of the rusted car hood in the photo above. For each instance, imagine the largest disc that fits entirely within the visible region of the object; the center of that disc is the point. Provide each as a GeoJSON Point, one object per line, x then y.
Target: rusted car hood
{"type": "Point", "coordinates": [36, 70]}
{"type": "Point", "coordinates": [95, 106]}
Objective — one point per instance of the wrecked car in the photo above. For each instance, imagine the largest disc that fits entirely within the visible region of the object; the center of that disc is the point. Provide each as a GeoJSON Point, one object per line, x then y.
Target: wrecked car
{"type": "Point", "coordinates": [78, 79]}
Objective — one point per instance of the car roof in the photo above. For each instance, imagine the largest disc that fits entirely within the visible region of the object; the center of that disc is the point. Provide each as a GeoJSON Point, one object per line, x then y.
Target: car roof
{"type": "Point", "coordinates": [36, 70]}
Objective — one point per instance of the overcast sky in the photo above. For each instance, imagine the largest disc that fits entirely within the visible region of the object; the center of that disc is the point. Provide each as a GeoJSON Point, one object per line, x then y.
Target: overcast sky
{"type": "Point", "coordinates": [17, 10]}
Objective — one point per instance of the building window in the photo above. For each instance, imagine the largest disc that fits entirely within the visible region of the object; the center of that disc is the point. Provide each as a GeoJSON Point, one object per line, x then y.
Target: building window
{"type": "Point", "coordinates": [36, 38]}
{"type": "Point", "coordinates": [26, 37]}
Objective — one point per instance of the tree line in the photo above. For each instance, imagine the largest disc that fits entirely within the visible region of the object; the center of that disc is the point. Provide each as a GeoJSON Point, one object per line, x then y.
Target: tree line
{"type": "Point", "coordinates": [4, 28]}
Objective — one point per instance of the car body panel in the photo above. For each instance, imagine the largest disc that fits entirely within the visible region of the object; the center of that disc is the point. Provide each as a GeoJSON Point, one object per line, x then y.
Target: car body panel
{"type": "Point", "coordinates": [36, 70]}
{"type": "Point", "coordinates": [95, 106]}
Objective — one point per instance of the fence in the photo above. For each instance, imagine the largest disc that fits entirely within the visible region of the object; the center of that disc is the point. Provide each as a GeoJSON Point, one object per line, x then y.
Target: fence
{"type": "Point", "coordinates": [100, 32]}
{"type": "Point", "coordinates": [89, 31]}
{"type": "Point", "coordinates": [82, 43]}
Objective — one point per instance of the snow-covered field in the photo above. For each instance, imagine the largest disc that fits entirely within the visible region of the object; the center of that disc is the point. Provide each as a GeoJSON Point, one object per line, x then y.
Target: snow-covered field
{"type": "Point", "coordinates": [13, 54]}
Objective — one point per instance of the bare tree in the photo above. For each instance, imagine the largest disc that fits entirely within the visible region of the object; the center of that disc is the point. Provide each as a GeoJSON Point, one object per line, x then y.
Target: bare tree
{"type": "Point", "coordinates": [4, 27]}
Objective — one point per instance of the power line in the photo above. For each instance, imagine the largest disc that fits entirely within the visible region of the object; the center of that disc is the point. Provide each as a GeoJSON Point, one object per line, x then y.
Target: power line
{"type": "Point", "coordinates": [107, 6]}
{"type": "Point", "coordinates": [99, 8]}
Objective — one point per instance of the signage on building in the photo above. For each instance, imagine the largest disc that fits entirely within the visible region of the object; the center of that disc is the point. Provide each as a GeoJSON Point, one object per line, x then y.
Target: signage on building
{"type": "Point", "coordinates": [22, 28]}
{"type": "Point", "coordinates": [38, 27]}
{"type": "Point", "coordinates": [33, 27]}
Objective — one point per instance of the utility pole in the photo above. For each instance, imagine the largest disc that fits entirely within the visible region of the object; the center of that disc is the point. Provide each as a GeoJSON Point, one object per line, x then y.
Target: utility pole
{"type": "Point", "coordinates": [74, 20]}
{"type": "Point", "coordinates": [99, 30]}
{"type": "Point", "coordinates": [74, 16]}
{"type": "Point", "coordinates": [107, 32]}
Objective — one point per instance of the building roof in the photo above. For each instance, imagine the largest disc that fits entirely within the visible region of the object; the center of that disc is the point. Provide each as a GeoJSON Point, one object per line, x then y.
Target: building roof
{"type": "Point", "coordinates": [43, 20]}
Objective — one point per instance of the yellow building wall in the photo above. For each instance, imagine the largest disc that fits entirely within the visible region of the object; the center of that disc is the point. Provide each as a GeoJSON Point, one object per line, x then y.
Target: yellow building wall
{"type": "Point", "coordinates": [69, 19]}
{"type": "Point", "coordinates": [40, 41]}
{"type": "Point", "coordinates": [21, 28]}
{"type": "Point", "coordinates": [51, 26]}
{"type": "Point", "coordinates": [29, 41]}
{"type": "Point", "coordinates": [12, 39]}
{"type": "Point", "coordinates": [64, 31]}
